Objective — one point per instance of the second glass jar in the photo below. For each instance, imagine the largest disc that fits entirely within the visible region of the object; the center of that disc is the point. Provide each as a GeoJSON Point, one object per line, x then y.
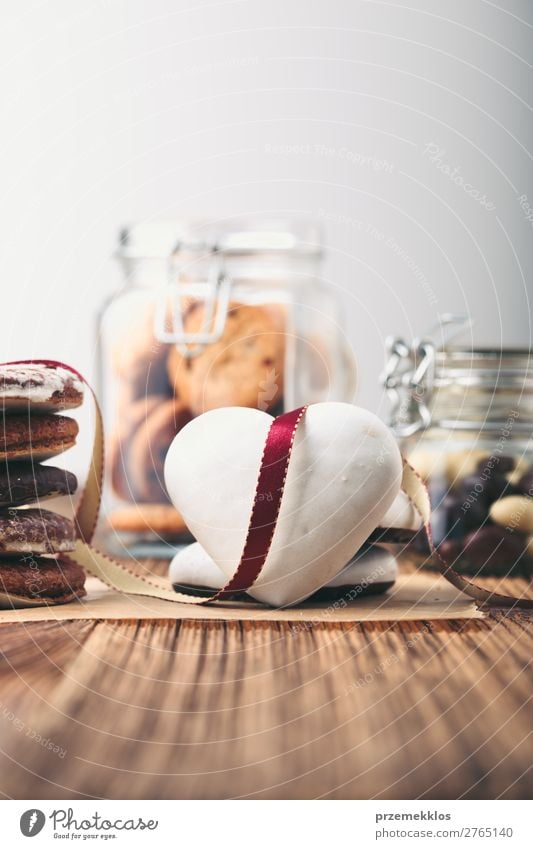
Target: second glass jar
{"type": "Point", "coordinates": [465, 424]}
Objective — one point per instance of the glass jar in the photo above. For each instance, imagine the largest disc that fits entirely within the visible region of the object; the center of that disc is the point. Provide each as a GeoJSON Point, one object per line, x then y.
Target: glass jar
{"type": "Point", "coordinates": [210, 315]}
{"type": "Point", "coordinates": [465, 422]}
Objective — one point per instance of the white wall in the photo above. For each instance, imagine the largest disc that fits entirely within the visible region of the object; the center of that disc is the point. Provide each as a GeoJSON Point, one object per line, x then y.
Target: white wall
{"type": "Point", "coordinates": [124, 109]}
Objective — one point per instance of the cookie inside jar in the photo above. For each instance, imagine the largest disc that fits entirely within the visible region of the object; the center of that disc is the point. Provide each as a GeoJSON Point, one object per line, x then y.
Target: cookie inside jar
{"type": "Point", "coordinates": [244, 368]}
{"type": "Point", "coordinates": [212, 315]}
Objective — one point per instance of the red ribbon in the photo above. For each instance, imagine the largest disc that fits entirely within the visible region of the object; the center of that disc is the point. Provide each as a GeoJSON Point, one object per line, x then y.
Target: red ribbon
{"type": "Point", "coordinates": [267, 501]}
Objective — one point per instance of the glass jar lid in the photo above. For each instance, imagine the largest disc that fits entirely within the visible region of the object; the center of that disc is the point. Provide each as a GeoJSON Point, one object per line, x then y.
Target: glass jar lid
{"type": "Point", "coordinates": [453, 387]}
{"type": "Point", "coordinates": [203, 261]}
{"type": "Point", "coordinates": [166, 239]}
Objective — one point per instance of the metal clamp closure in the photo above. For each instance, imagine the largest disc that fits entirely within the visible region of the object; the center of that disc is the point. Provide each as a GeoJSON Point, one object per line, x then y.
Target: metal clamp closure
{"type": "Point", "coordinates": [179, 297]}
{"type": "Point", "coordinates": [408, 381]}
{"type": "Point", "coordinates": [409, 374]}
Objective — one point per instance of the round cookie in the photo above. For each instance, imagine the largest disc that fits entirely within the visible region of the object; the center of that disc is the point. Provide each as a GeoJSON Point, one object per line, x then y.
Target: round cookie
{"type": "Point", "coordinates": [36, 531]}
{"type": "Point", "coordinates": [148, 448]}
{"type": "Point", "coordinates": [371, 571]}
{"type": "Point", "coordinates": [38, 387]}
{"type": "Point", "coordinates": [36, 437]}
{"type": "Point", "coordinates": [139, 359]}
{"type": "Point", "coordinates": [160, 519]}
{"type": "Point", "coordinates": [119, 464]}
{"type": "Point", "coordinates": [23, 483]}
{"type": "Point", "coordinates": [245, 368]}
{"type": "Point", "coordinates": [37, 581]}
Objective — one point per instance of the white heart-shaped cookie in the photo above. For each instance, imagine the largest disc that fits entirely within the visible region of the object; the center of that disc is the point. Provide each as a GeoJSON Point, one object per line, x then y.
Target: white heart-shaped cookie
{"type": "Point", "coordinates": [344, 473]}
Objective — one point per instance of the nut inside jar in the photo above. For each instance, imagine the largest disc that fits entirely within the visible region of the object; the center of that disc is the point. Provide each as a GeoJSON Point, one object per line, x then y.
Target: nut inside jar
{"type": "Point", "coordinates": [482, 502]}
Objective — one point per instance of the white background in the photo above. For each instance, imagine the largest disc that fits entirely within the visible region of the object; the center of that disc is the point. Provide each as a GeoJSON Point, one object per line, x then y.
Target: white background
{"type": "Point", "coordinates": [120, 110]}
{"type": "Point", "coordinates": [205, 824]}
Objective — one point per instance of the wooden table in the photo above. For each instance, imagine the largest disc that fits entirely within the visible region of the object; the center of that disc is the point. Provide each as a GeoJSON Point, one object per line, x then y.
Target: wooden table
{"type": "Point", "coordinates": [216, 710]}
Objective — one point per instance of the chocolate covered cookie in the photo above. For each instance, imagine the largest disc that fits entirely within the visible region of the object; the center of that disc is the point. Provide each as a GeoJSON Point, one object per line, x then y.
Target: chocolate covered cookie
{"type": "Point", "coordinates": [38, 388]}
{"type": "Point", "coordinates": [28, 581]}
{"type": "Point", "coordinates": [244, 368]}
{"type": "Point", "coordinates": [36, 531]}
{"type": "Point", "coordinates": [24, 483]}
{"type": "Point", "coordinates": [35, 437]}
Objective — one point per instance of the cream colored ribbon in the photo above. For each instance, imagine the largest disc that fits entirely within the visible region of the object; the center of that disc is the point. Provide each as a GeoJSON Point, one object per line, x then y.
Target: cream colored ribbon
{"type": "Point", "coordinates": [416, 491]}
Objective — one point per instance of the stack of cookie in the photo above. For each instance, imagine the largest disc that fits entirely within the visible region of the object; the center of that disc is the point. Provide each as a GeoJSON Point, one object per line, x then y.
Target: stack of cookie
{"type": "Point", "coordinates": [34, 543]}
{"type": "Point", "coordinates": [159, 390]}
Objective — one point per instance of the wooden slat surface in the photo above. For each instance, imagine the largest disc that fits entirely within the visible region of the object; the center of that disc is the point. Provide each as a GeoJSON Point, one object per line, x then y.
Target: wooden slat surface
{"type": "Point", "coordinates": [203, 710]}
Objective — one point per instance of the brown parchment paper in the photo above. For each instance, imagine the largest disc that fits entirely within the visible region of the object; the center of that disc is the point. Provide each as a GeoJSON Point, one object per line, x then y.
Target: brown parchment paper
{"type": "Point", "coordinates": [416, 596]}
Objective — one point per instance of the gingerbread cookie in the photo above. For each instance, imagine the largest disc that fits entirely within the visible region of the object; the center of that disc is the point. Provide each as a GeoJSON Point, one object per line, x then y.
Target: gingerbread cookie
{"type": "Point", "coordinates": [28, 581]}
{"type": "Point", "coordinates": [38, 388]}
{"type": "Point", "coordinates": [23, 483]}
{"type": "Point", "coordinates": [244, 368]}
{"type": "Point", "coordinates": [36, 531]}
{"type": "Point", "coordinates": [35, 437]}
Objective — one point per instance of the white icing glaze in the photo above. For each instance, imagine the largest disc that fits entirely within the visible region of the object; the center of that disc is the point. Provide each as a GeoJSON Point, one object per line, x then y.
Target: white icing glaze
{"type": "Point", "coordinates": [45, 380]}
{"type": "Point", "coordinates": [344, 474]}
